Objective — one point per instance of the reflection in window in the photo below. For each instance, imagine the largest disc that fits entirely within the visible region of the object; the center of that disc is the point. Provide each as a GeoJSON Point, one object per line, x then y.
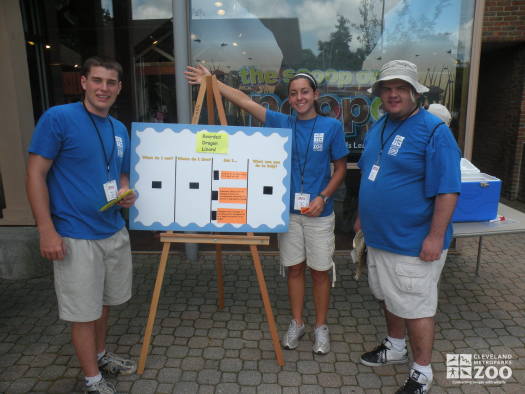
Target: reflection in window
{"type": "Point", "coordinates": [153, 61]}
{"type": "Point", "coordinates": [151, 9]}
{"type": "Point", "coordinates": [107, 6]}
{"type": "Point", "coordinates": [258, 46]}
{"type": "Point", "coordinates": [60, 35]}
{"type": "Point", "coordinates": [435, 35]}
{"type": "Point", "coordinates": [154, 78]}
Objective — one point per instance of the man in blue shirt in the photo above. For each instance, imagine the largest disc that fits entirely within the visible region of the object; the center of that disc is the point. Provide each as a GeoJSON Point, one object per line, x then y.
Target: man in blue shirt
{"type": "Point", "coordinates": [410, 180]}
{"type": "Point", "coordinates": [79, 161]}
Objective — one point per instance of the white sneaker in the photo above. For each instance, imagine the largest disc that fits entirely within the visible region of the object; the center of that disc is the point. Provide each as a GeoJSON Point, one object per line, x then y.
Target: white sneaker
{"type": "Point", "coordinates": [113, 365]}
{"type": "Point", "coordinates": [322, 340]}
{"type": "Point", "coordinates": [384, 354]}
{"type": "Point", "coordinates": [291, 338]}
{"type": "Point", "coordinates": [101, 387]}
{"type": "Point", "coordinates": [416, 383]}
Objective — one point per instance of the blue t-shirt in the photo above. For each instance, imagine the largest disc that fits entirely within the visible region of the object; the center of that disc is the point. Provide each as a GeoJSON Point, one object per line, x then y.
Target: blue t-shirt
{"type": "Point", "coordinates": [66, 135]}
{"type": "Point", "coordinates": [418, 162]}
{"type": "Point", "coordinates": [315, 143]}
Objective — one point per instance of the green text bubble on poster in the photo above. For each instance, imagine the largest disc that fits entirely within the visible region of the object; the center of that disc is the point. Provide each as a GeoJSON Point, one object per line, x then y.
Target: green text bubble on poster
{"type": "Point", "coordinates": [208, 142]}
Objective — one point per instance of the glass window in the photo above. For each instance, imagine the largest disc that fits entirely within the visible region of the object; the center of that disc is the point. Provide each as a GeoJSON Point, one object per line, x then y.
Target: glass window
{"type": "Point", "coordinates": [61, 34]}
{"type": "Point", "coordinates": [258, 46]}
{"type": "Point", "coordinates": [151, 9]}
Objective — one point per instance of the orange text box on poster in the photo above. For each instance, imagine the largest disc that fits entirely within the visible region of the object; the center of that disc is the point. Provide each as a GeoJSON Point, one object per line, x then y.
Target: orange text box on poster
{"type": "Point", "coordinates": [233, 195]}
{"type": "Point", "coordinates": [228, 215]}
{"type": "Point", "coordinates": [234, 175]}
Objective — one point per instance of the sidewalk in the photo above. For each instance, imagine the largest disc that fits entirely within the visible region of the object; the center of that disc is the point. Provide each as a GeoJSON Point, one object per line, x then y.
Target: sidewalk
{"type": "Point", "coordinates": [198, 348]}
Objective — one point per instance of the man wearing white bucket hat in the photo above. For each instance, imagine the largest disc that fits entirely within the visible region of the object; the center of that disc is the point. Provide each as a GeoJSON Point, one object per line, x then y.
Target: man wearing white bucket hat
{"type": "Point", "coordinates": [410, 180]}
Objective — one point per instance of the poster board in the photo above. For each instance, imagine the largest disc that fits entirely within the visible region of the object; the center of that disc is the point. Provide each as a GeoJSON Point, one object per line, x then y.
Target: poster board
{"type": "Point", "coordinates": [210, 178]}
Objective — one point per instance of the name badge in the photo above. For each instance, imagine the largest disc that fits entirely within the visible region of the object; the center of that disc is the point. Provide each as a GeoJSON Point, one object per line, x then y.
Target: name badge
{"type": "Point", "coordinates": [373, 172]}
{"type": "Point", "coordinates": [110, 188]}
{"type": "Point", "coordinates": [302, 200]}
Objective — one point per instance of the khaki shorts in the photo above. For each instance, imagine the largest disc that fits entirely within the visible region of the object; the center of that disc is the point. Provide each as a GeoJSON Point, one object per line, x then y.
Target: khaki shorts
{"type": "Point", "coordinates": [93, 273]}
{"type": "Point", "coordinates": [308, 238]}
{"type": "Point", "coordinates": [407, 285]}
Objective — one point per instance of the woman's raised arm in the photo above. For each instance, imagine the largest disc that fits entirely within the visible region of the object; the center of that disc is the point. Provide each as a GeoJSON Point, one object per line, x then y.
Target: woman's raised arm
{"type": "Point", "coordinates": [195, 75]}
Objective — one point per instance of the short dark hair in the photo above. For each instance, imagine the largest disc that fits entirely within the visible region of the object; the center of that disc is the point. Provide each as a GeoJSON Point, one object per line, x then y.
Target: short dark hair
{"type": "Point", "coordinates": [412, 88]}
{"type": "Point", "coordinates": [101, 61]}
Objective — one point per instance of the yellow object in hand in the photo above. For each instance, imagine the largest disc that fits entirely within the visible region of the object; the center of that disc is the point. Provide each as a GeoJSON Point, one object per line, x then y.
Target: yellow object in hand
{"type": "Point", "coordinates": [116, 200]}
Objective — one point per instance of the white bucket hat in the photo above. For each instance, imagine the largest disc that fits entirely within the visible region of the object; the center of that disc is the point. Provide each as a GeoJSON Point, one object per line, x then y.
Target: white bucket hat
{"type": "Point", "coordinates": [441, 112]}
{"type": "Point", "coordinates": [398, 69]}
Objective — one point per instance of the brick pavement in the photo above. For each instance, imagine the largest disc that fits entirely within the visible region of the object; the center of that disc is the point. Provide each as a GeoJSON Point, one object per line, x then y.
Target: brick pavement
{"type": "Point", "coordinates": [198, 348]}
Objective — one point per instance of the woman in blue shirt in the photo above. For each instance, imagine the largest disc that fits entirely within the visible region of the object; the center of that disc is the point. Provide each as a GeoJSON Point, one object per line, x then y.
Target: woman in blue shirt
{"type": "Point", "coordinates": [317, 141]}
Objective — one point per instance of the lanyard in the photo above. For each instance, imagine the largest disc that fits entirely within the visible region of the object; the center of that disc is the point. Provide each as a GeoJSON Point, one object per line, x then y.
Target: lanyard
{"type": "Point", "coordinates": [107, 159]}
{"type": "Point", "coordinates": [383, 142]}
{"type": "Point", "coordinates": [307, 148]}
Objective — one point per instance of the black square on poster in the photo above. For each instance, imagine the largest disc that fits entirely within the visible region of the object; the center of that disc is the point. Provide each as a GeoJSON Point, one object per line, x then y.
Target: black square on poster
{"type": "Point", "coordinates": [267, 189]}
{"type": "Point", "coordinates": [156, 185]}
{"type": "Point", "coordinates": [194, 185]}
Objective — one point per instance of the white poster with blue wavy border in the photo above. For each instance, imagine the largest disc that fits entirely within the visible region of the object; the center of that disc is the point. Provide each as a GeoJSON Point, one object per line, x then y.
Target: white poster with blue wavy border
{"type": "Point", "coordinates": [210, 178]}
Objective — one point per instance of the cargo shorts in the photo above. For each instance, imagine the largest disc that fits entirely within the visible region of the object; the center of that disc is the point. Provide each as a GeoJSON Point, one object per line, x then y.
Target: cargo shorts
{"type": "Point", "coordinates": [407, 284]}
{"type": "Point", "coordinates": [92, 274]}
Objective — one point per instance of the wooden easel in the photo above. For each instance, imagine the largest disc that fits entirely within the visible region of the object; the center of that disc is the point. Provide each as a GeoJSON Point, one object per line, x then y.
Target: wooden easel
{"type": "Point", "coordinates": [210, 89]}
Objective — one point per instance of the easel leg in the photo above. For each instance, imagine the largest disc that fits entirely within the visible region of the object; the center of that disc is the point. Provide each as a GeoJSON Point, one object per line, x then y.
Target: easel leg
{"type": "Point", "coordinates": [220, 280]}
{"type": "Point", "coordinates": [153, 308]}
{"type": "Point", "coordinates": [267, 306]}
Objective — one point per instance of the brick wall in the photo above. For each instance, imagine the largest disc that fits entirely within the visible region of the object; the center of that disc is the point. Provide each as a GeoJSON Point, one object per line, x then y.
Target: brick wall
{"type": "Point", "coordinates": [504, 20]}
{"type": "Point", "coordinates": [500, 115]}
{"type": "Point", "coordinates": [521, 141]}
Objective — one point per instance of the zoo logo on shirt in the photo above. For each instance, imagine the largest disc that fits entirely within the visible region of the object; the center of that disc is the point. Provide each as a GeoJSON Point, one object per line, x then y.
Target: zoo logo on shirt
{"type": "Point", "coordinates": [396, 145]}
{"type": "Point", "coordinates": [318, 142]}
{"type": "Point", "coordinates": [120, 146]}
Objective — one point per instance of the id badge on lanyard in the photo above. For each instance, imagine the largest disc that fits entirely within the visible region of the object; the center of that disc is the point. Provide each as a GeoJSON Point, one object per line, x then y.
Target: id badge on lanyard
{"type": "Point", "coordinates": [373, 172]}
{"type": "Point", "coordinates": [110, 189]}
{"type": "Point", "coordinates": [302, 200]}
{"type": "Point", "coordinates": [375, 168]}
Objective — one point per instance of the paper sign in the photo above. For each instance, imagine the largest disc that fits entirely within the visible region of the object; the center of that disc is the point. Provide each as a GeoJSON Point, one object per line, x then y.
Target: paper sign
{"type": "Point", "coordinates": [227, 215]}
{"type": "Point", "coordinates": [234, 175]}
{"type": "Point", "coordinates": [233, 195]}
{"type": "Point", "coordinates": [179, 189]}
{"type": "Point", "coordinates": [208, 142]}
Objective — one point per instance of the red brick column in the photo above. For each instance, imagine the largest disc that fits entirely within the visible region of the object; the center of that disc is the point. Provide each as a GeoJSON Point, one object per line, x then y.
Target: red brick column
{"type": "Point", "coordinates": [500, 118]}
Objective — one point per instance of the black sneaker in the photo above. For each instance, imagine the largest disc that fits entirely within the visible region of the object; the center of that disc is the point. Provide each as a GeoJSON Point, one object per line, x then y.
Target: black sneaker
{"type": "Point", "coordinates": [416, 383]}
{"type": "Point", "coordinates": [384, 354]}
{"type": "Point", "coordinates": [111, 364]}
